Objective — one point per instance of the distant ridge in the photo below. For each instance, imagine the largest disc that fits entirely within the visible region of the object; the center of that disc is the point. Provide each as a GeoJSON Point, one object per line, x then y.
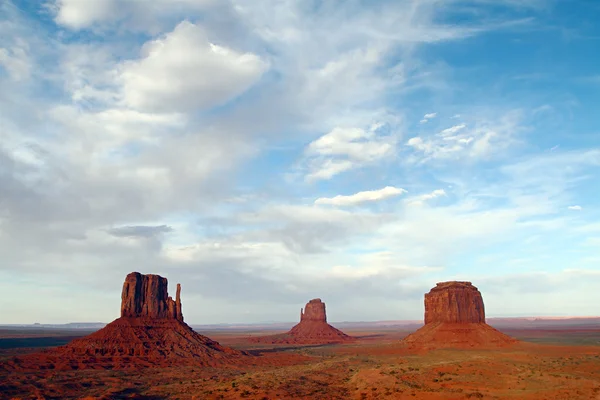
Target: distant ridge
{"type": "Point", "coordinates": [285, 325]}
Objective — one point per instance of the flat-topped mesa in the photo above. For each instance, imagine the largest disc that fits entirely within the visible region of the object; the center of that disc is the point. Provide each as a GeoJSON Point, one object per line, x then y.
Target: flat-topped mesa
{"type": "Point", "coordinates": [455, 318]}
{"type": "Point", "coordinates": [455, 302]}
{"type": "Point", "coordinates": [313, 311]}
{"type": "Point", "coordinates": [147, 296]}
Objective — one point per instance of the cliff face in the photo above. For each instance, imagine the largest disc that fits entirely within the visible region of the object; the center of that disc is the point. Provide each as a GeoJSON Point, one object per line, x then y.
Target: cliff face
{"type": "Point", "coordinates": [455, 318]}
{"type": "Point", "coordinates": [150, 333]}
{"type": "Point", "coordinates": [312, 328]}
{"type": "Point", "coordinates": [455, 302]}
{"type": "Point", "coordinates": [147, 296]}
{"type": "Point", "coordinates": [314, 311]}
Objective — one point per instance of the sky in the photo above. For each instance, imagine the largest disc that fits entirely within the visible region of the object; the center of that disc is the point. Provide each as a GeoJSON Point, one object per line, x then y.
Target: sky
{"type": "Point", "coordinates": [269, 152]}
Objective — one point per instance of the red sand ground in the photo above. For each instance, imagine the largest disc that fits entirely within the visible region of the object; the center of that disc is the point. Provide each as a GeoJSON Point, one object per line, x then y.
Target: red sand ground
{"type": "Point", "coordinates": [375, 366]}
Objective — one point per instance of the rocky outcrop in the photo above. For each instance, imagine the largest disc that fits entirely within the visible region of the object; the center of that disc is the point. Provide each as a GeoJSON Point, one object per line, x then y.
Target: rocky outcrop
{"type": "Point", "coordinates": [149, 333]}
{"type": "Point", "coordinates": [454, 302]}
{"type": "Point", "coordinates": [147, 296]}
{"type": "Point", "coordinates": [455, 318]}
{"type": "Point", "coordinates": [312, 328]}
{"type": "Point", "coordinates": [314, 311]}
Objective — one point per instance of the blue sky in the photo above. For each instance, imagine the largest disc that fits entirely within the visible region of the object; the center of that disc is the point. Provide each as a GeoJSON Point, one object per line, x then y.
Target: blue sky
{"type": "Point", "coordinates": [266, 154]}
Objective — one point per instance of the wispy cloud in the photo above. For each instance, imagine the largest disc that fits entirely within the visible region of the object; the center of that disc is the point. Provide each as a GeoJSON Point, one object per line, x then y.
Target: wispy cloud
{"type": "Point", "coordinates": [344, 149]}
{"type": "Point", "coordinates": [361, 197]}
{"type": "Point", "coordinates": [418, 200]}
{"type": "Point", "coordinates": [427, 117]}
{"type": "Point", "coordinates": [480, 139]}
{"type": "Point", "coordinates": [143, 231]}
{"type": "Point", "coordinates": [131, 132]}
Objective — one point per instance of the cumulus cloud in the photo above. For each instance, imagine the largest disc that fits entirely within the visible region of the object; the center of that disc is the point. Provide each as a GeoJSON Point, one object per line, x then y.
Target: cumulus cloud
{"type": "Point", "coordinates": [76, 15]}
{"type": "Point", "coordinates": [575, 208]}
{"type": "Point", "coordinates": [361, 197]}
{"type": "Point", "coordinates": [184, 71]}
{"type": "Point", "coordinates": [165, 113]}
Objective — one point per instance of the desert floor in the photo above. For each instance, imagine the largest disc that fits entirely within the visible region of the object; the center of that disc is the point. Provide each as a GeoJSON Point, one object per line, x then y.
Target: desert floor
{"type": "Point", "coordinates": [548, 364]}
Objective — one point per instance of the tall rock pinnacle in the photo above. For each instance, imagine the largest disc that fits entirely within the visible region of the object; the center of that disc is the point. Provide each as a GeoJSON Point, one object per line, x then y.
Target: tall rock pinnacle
{"type": "Point", "coordinates": [454, 302]}
{"type": "Point", "coordinates": [147, 296]}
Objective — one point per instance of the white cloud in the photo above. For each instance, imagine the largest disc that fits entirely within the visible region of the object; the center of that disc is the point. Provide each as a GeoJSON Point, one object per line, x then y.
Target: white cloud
{"type": "Point", "coordinates": [327, 169]}
{"type": "Point", "coordinates": [103, 137]}
{"type": "Point", "coordinates": [452, 130]}
{"type": "Point", "coordinates": [427, 117]}
{"type": "Point", "coordinates": [343, 149]}
{"type": "Point", "coordinates": [361, 197]}
{"type": "Point", "coordinates": [575, 208]}
{"type": "Point", "coordinates": [184, 71]}
{"type": "Point", "coordinates": [15, 59]}
{"type": "Point", "coordinates": [81, 14]}
{"type": "Point", "coordinates": [382, 264]}
{"type": "Point", "coordinates": [354, 143]}
{"type": "Point", "coordinates": [418, 200]}
{"type": "Point", "coordinates": [484, 139]}
{"type": "Point", "coordinates": [77, 14]}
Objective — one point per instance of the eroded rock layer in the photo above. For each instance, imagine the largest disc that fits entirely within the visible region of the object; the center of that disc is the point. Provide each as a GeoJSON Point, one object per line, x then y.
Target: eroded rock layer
{"type": "Point", "coordinates": [455, 318]}
{"type": "Point", "coordinates": [150, 333]}
{"type": "Point", "coordinates": [454, 302]}
{"type": "Point", "coordinates": [147, 296]}
{"type": "Point", "coordinates": [314, 311]}
{"type": "Point", "coordinates": [312, 328]}
{"type": "Point", "coordinates": [439, 335]}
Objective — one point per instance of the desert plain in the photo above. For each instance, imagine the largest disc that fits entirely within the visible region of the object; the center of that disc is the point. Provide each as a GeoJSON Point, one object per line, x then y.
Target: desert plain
{"type": "Point", "coordinates": [151, 353]}
{"type": "Point", "coordinates": [556, 361]}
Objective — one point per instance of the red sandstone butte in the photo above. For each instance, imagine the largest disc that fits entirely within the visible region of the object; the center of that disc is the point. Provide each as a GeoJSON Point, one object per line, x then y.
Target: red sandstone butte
{"type": "Point", "coordinates": [149, 333]}
{"type": "Point", "coordinates": [146, 296]}
{"type": "Point", "coordinates": [454, 302]}
{"type": "Point", "coordinates": [455, 318]}
{"type": "Point", "coordinates": [314, 311]}
{"type": "Point", "coordinates": [312, 328]}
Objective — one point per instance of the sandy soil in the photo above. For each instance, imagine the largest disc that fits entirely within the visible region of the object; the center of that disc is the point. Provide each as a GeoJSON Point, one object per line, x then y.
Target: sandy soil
{"type": "Point", "coordinates": [376, 366]}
